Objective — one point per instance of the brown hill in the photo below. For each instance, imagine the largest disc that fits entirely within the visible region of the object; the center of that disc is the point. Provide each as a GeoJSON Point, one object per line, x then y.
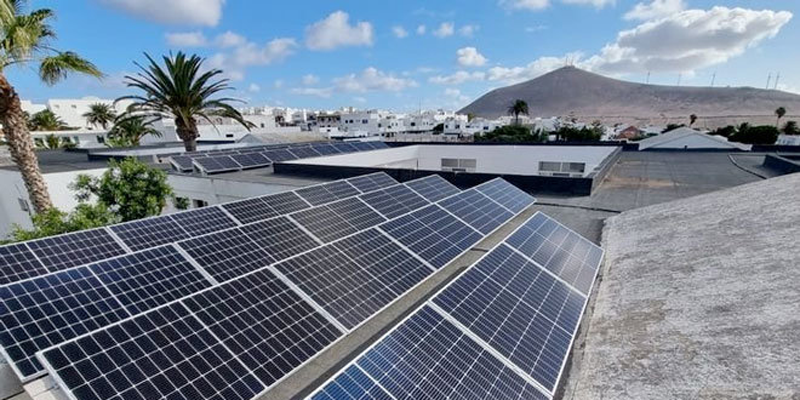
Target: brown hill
{"type": "Point", "coordinates": [570, 90]}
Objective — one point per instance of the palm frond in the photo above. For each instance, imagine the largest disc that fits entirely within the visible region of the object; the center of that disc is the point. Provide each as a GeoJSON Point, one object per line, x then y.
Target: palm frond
{"type": "Point", "coordinates": [55, 68]}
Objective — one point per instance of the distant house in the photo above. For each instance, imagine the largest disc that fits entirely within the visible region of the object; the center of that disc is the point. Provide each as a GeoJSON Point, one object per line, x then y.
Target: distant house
{"type": "Point", "coordinates": [628, 133]}
{"type": "Point", "coordinates": [689, 139]}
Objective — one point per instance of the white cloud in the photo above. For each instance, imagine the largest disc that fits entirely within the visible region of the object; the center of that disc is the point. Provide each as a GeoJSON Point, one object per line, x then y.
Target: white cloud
{"type": "Point", "coordinates": [371, 79]}
{"type": "Point", "coordinates": [229, 39]}
{"type": "Point", "coordinates": [457, 97]}
{"type": "Point", "coordinates": [274, 51]}
{"type": "Point", "coordinates": [421, 30]}
{"type": "Point", "coordinates": [457, 78]}
{"type": "Point", "coordinates": [186, 39]}
{"type": "Point", "coordinates": [335, 31]}
{"type": "Point", "coordinates": [470, 57]}
{"type": "Point", "coordinates": [278, 83]}
{"type": "Point", "coordinates": [688, 40]}
{"type": "Point", "coordinates": [468, 30]}
{"type": "Point", "coordinates": [533, 5]}
{"type": "Point", "coordinates": [596, 3]}
{"type": "Point", "coordinates": [318, 92]}
{"type": "Point", "coordinates": [399, 31]}
{"type": "Point", "coordinates": [535, 28]}
{"type": "Point", "coordinates": [253, 88]}
{"type": "Point", "coordinates": [536, 68]}
{"type": "Point", "coordinates": [359, 99]}
{"type": "Point", "coordinates": [176, 12]}
{"type": "Point", "coordinates": [654, 10]}
{"type": "Point", "coordinates": [445, 29]}
{"type": "Point", "coordinates": [310, 79]}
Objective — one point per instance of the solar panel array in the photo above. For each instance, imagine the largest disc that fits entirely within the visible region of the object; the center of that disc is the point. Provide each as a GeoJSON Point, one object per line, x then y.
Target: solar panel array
{"type": "Point", "coordinates": [256, 327]}
{"type": "Point", "coordinates": [217, 161]}
{"type": "Point", "coordinates": [502, 329]}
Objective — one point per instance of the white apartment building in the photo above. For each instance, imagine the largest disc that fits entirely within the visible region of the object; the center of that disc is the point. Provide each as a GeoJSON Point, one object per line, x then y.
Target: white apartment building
{"type": "Point", "coordinates": [71, 110]}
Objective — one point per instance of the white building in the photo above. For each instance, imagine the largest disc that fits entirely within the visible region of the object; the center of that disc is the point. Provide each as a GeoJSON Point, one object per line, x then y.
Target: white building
{"type": "Point", "coordinates": [71, 110]}
{"type": "Point", "coordinates": [788, 140]}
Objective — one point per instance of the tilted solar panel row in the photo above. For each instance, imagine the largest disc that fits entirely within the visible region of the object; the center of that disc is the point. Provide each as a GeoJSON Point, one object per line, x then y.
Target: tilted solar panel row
{"type": "Point", "coordinates": [502, 329]}
{"type": "Point", "coordinates": [349, 280]}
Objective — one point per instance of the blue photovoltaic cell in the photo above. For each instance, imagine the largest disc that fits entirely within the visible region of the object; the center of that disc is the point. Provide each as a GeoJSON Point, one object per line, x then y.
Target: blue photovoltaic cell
{"type": "Point", "coordinates": [352, 384]}
{"type": "Point", "coordinates": [325, 149]}
{"type": "Point", "coordinates": [182, 163]}
{"type": "Point", "coordinates": [150, 232]}
{"type": "Point", "coordinates": [378, 145]}
{"type": "Point", "coordinates": [354, 278]}
{"type": "Point", "coordinates": [394, 201]}
{"type": "Point", "coordinates": [370, 182]}
{"type": "Point", "coordinates": [519, 309]}
{"type": "Point", "coordinates": [345, 147]}
{"type": "Point", "coordinates": [362, 146]}
{"type": "Point", "coordinates": [326, 193]}
{"type": "Point", "coordinates": [165, 353]}
{"type": "Point", "coordinates": [17, 262]}
{"type": "Point", "coordinates": [433, 187]}
{"type": "Point", "coordinates": [278, 155]}
{"type": "Point", "coordinates": [150, 278]}
{"type": "Point", "coordinates": [284, 203]}
{"type": "Point", "coordinates": [304, 152]}
{"type": "Point", "coordinates": [563, 252]}
{"type": "Point", "coordinates": [427, 357]}
{"type": "Point", "coordinates": [280, 237]}
{"type": "Point", "coordinates": [215, 164]}
{"type": "Point", "coordinates": [227, 255]}
{"type": "Point", "coordinates": [48, 310]}
{"type": "Point", "coordinates": [433, 234]}
{"type": "Point", "coordinates": [508, 195]}
{"type": "Point", "coordinates": [477, 210]}
{"type": "Point", "coordinates": [203, 220]}
{"type": "Point", "coordinates": [265, 324]}
{"type": "Point", "coordinates": [251, 160]}
{"type": "Point", "coordinates": [336, 220]}
{"type": "Point", "coordinates": [73, 249]}
{"type": "Point", "coordinates": [261, 208]}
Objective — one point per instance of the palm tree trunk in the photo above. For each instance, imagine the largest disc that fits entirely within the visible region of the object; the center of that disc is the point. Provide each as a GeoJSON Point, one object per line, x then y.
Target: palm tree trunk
{"type": "Point", "coordinates": [21, 146]}
{"type": "Point", "coordinates": [188, 134]}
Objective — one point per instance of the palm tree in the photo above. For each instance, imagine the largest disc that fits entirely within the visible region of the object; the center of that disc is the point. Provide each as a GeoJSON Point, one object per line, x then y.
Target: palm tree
{"type": "Point", "coordinates": [128, 132]}
{"type": "Point", "coordinates": [46, 120]}
{"type": "Point", "coordinates": [519, 107]}
{"type": "Point", "coordinates": [780, 112]}
{"type": "Point", "coordinates": [692, 119]}
{"type": "Point", "coordinates": [100, 114]}
{"type": "Point", "coordinates": [51, 142]}
{"type": "Point", "coordinates": [183, 92]}
{"type": "Point", "coordinates": [25, 39]}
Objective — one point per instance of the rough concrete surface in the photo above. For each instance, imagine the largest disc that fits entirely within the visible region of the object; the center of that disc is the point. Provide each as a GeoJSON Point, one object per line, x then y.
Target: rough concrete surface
{"type": "Point", "coordinates": [698, 300]}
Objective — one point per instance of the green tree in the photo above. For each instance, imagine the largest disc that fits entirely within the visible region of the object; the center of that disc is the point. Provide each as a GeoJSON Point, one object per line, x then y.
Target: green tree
{"type": "Point", "coordinates": [130, 188]}
{"type": "Point", "coordinates": [591, 133]}
{"type": "Point", "coordinates": [672, 127]}
{"type": "Point", "coordinates": [726, 131]}
{"type": "Point", "coordinates": [517, 108]}
{"type": "Point", "coordinates": [790, 128]}
{"type": "Point", "coordinates": [128, 132]}
{"type": "Point", "coordinates": [764, 134]}
{"type": "Point", "coordinates": [26, 39]}
{"type": "Point", "coordinates": [780, 112]}
{"type": "Point", "coordinates": [46, 120]}
{"type": "Point", "coordinates": [692, 119]}
{"type": "Point", "coordinates": [52, 142]}
{"type": "Point", "coordinates": [510, 134]}
{"type": "Point", "coordinates": [183, 92]}
{"type": "Point", "coordinates": [100, 114]}
{"type": "Point", "coordinates": [54, 222]}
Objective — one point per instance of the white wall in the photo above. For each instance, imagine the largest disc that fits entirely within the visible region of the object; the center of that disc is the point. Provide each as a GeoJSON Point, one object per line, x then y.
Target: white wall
{"type": "Point", "coordinates": [215, 191]}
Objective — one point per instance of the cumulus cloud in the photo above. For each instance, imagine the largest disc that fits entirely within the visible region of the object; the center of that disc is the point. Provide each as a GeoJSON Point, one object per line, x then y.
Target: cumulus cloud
{"type": "Point", "coordinates": [468, 30]}
{"type": "Point", "coordinates": [186, 39]}
{"type": "Point", "coordinates": [596, 3]}
{"type": "Point", "coordinates": [229, 39]}
{"type": "Point", "coordinates": [457, 78]}
{"type": "Point", "coordinates": [310, 79]}
{"type": "Point", "coordinates": [421, 30]}
{"type": "Point", "coordinates": [534, 69]}
{"type": "Point", "coordinates": [371, 79]}
{"type": "Point", "coordinates": [177, 12]}
{"type": "Point", "coordinates": [654, 10]}
{"type": "Point", "coordinates": [470, 57]}
{"type": "Point", "coordinates": [253, 88]}
{"type": "Point", "coordinates": [335, 31]}
{"type": "Point", "coordinates": [318, 92]}
{"type": "Point", "coordinates": [445, 29]}
{"type": "Point", "coordinates": [533, 5]}
{"type": "Point", "coordinates": [688, 40]}
{"type": "Point", "coordinates": [399, 32]}
{"type": "Point", "coordinates": [250, 54]}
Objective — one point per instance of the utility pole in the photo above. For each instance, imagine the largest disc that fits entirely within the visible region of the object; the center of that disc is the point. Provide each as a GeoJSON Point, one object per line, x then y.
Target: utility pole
{"type": "Point", "coordinates": [769, 79]}
{"type": "Point", "coordinates": [648, 78]}
{"type": "Point", "coordinates": [777, 78]}
{"type": "Point", "coordinates": [680, 76]}
{"type": "Point", "coordinates": [713, 78]}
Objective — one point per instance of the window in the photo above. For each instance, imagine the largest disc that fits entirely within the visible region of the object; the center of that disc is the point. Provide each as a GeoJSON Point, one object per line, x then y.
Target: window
{"type": "Point", "coordinates": [101, 139]}
{"type": "Point", "coordinates": [23, 204]}
{"type": "Point", "coordinates": [364, 121]}
{"type": "Point", "coordinates": [459, 164]}
{"type": "Point", "coordinates": [262, 125]}
{"type": "Point", "coordinates": [199, 203]}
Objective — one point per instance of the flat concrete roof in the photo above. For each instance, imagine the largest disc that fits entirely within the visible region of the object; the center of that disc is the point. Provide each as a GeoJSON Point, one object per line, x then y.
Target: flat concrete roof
{"type": "Point", "coordinates": [697, 300]}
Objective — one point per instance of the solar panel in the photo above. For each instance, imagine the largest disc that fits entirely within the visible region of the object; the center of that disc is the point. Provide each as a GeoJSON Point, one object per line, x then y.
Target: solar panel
{"type": "Point", "coordinates": [304, 152]}
{"type": "Point", "coordinates": [203, 220]}
{"type": "Point", "coordinates": [280, 237]}
{"type": "Point", "coordinates": [182, 163]}
{"type": "Point", "coordinates": [48, 310]}
{"type": "Point", "coordinates": [149, 233]}
{"type": "Point", "coordinates": [73, 249]}
{"type": "Point", "coordinates": [559, 250]}
{"type": "Point", "coordinates": [477, 210]}
{"type": "Point", "coordinates": [251, 160]}
{"type": "Point", "coordinates": [285, 203]}
{"type": "Point", "coordinates": [336, 220]}
{"type": "Point", "coordinates": [227, 255]}
{"type": "Point", "coordinates": [508, 195]}
{"type": "Point", "coordinates": [210, 165]}
{"type": "Point", "coordinates": [166, 353]}
{"type": "Point", "coordinates": [345, 147]}
{"type": "Point", "coordinates": [362, 146]}
{"type": "Point", "coordinates": [394, 201]}
{"type": "Point", "coordinates": [428, 357]}
{"type": "Point", "coordinates": [370, 182]}
{"type": "Point", "coordinates": [326, 193]}
{"type": "Point", "coordinates": [325, 149]}
{"type": "Point", "coordinates": [278, 155]}
{"type": "Point", "coordinates": [354, 278]}
{"type": "Point", "coordinates": [249, 210]}
{"type": "Point", "coordinates": [433, 187]}
{"type": "Point", "coordinates": [265, 324]}
{"type": "Point", "coordinates": [378, 145]}
{"type": "Point", "coordinates": [17, 262]}
{"type": "Point", "coordinates": [519, 310]}
{"type": "Point", "coordinates": [433, 234]}
{"type": "Point", "coordinates": [147, 279]}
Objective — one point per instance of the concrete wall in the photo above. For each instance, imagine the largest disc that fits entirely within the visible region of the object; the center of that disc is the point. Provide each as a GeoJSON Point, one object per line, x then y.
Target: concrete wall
{"type": "Point", "coordinates": [215, 191]}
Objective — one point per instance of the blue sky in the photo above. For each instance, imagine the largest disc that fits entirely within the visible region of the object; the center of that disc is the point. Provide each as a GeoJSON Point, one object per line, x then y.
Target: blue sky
{"type": "Point", "coordinates": [374, 54]}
